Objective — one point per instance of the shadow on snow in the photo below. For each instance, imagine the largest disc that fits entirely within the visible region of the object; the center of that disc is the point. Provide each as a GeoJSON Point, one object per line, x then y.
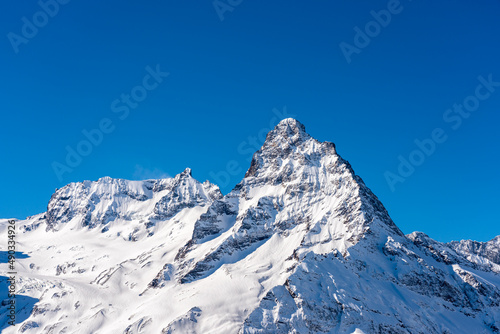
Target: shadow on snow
{"type": "Point", "coordinates": [24, 304]}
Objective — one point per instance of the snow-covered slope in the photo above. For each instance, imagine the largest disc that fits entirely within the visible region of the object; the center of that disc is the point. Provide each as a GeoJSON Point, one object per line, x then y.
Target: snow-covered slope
{"type": "Point", "coordinates": [300, 245]}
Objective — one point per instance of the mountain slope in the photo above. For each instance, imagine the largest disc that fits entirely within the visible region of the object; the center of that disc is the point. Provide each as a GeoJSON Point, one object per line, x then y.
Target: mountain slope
{"type": "Point", "coordinates": [300, 245]}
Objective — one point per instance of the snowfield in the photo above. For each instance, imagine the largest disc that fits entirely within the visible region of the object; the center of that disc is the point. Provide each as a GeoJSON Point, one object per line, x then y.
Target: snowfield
{"type": "Point", "coordinates": [300, 245]}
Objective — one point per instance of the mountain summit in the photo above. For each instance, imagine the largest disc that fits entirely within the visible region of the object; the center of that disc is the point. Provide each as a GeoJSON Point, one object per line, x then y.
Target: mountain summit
{"type": "Point", "coordinates": [300, 245]}
{"type": "Point", "coordinates": [288, 129]}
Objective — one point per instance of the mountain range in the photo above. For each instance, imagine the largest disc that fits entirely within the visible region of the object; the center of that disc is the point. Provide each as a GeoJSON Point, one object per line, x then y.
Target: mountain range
{"type": "Point", "coordinates": [300, 245]}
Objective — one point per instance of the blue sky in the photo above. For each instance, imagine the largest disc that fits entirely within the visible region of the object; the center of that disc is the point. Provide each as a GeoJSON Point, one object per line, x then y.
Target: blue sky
{"type": "Point", "coordinates": [176, 84]}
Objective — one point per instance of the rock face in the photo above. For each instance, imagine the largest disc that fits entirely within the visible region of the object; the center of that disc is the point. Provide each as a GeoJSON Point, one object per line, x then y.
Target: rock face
{"type": "Point", "coordinates": [477, 251]}
{"type": "Point", "coordinates": [300, 245]}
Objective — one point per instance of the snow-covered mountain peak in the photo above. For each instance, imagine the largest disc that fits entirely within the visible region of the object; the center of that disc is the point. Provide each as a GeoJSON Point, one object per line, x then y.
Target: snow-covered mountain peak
{"type": "Point", "coordinates": [289, 127]}
{"type": "Point", "coordinates": [186, 173]}
{"type": "Point", "coordinates": [298, 167]}
{"type": "Point", "coordinates": [287, 132]}
{"type": "Point", "coordinates": [289, 147]}
{"type": "Point", "coordinates": [90, 204]}
{"type": "Point", "coordinates": [295, 185]}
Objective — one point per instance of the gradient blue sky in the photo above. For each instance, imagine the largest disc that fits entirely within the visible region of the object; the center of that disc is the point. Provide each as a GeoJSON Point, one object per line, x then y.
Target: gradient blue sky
{"type": "Point", "coordinates": [226, 77]}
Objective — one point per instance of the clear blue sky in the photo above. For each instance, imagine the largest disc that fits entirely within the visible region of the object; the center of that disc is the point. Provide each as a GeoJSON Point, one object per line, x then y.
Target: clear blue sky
{"type": "Point", "coordinates": [226, 77]}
